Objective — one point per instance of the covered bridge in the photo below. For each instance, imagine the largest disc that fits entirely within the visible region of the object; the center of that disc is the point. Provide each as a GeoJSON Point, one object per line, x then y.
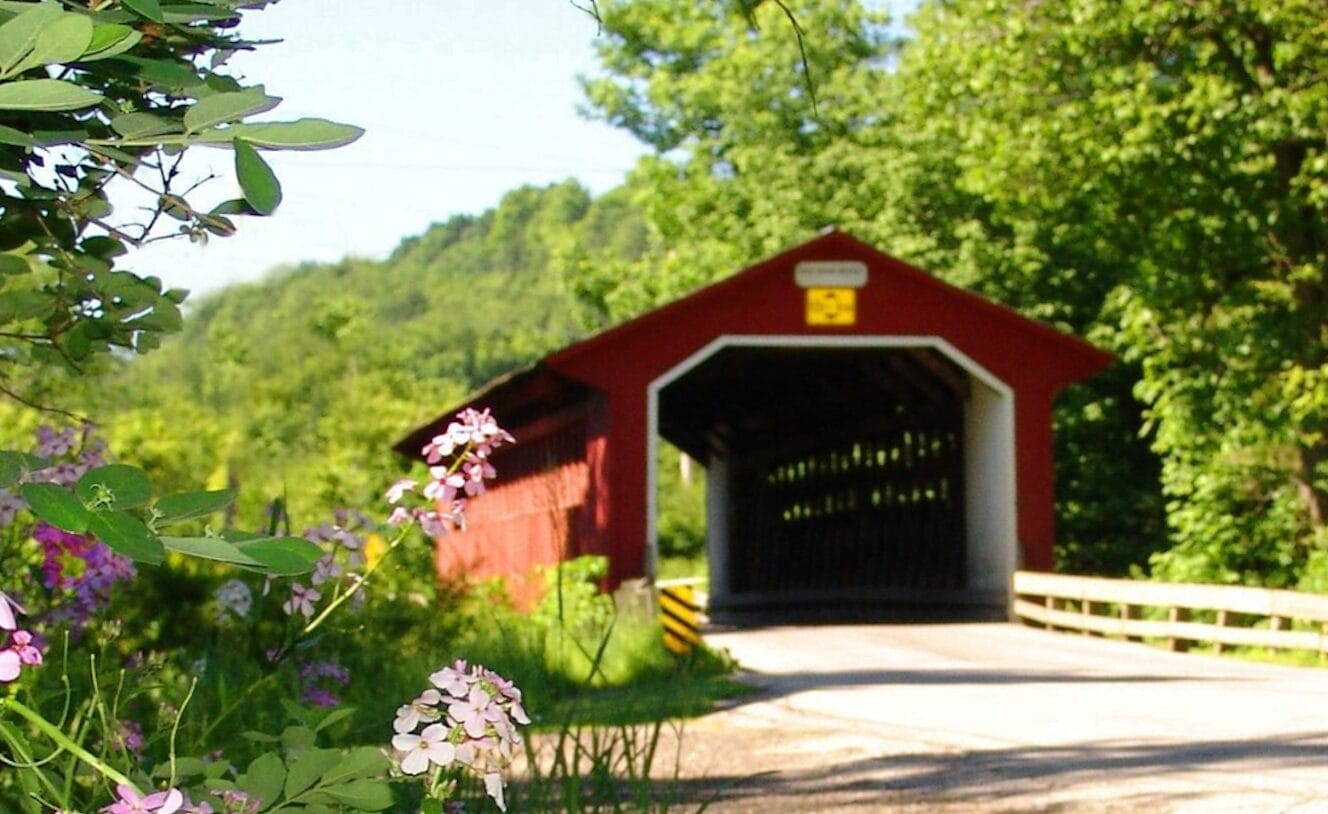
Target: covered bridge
{"type": "Point", "coordinates": [870, 433]}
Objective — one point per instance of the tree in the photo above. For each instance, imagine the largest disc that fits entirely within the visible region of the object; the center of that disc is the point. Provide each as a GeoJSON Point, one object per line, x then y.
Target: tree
{"type": "Point", "coordinates": [104, 92]}
{"type": "Point", "coordinates": [1169, 158]}
{"type": "Point", "coordinates": [746, 164]}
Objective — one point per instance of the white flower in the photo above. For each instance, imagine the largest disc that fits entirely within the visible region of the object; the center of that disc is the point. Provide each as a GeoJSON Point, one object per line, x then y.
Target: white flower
{"type": "Point", "coordinates": [430, 746]}
{"type": "Point", "coordinates": [424, 708]}
{"type": "Point", "coordinates": [233, 596]}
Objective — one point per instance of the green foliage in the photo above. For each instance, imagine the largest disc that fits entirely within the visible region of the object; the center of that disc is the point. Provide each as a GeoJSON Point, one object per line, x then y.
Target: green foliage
{"type": "Point", "coordinates": [1161, 156]}
{"type": "Point", "coordinates": [304, 778]}
{"type": "Point", "coordinates": [98, 93]}
{"type": "Point", "coordinates": [296, 386]}
{"type": "Point", "coordinates": [1148, 174]}
{"type": "Point", "coordinates": [681, 502]}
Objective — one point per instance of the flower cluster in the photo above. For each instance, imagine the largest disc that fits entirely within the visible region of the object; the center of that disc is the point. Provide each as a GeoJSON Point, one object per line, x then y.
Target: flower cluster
{"type": "Point", "coordinates": [77, 570]}
{"type": "Point", "coordinates": [459, 465]}
{"type": "Point", "coordinates": [345, 540]}
{"type": "Point", "coordinates": [20, 648]}
{"type": "Point", "coordinates": [233, 598]}
{"type": "Point", "coordinates": [82, 569]}
{"type": "Point", "coordinates": [467, 718]}
{"type": "Point", "coordinates": [321, 680]}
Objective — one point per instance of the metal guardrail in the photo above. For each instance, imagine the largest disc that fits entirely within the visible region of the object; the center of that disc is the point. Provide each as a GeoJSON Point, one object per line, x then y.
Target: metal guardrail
{"type": "Point", "coordinates": [1242, 616]}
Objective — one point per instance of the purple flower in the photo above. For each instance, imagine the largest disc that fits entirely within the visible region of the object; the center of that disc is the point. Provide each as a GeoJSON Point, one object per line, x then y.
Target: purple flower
{"type": "Point", "coordinates": [234, 801]}
{"type": "Point", "coordinates": [129, 736]}
{"type": "Point", "coordinates": [10, 504]}
{"type": "Point", "coordinates": [302, 599]}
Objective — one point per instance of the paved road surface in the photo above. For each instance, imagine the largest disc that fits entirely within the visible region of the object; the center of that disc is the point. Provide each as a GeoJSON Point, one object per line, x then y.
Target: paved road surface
{"type": "Point", "coordinates": [1003, 718]}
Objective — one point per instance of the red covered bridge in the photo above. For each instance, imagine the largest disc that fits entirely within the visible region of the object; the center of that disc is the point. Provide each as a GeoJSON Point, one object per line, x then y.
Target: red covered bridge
{"type": "Point", "coordinates": [870, 433]}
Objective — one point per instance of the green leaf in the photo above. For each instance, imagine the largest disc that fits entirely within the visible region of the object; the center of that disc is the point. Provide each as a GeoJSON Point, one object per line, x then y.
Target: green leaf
{"type": "Point", "coordinates": [282, 556]}
{"type": "Point", "coordinates": [184, 767]}
{"type": "Point", "coordinates": [64, 40]}
{"type": "Point", "coordinates": [121, 485]}
{"type": "Point", "coordinates": [45, 95]}
{"type": "Point", "coordinates": [13, 464]}
{"type": "Point", "coordinates": [148, 8]}
{"type": "Point", "coordinates": [110, 40]}
{"type": "Point", "coordinates": [209, 548]}
{"type": "Point", "coordinates": [211, 111]}
{"type": "Point", "coordinates": [234, 206]}
{"type": "Point", "coordinates": [264, 779]}
{"type": "Point", "coordinates": [18, 305]}
{"type": "Point", "coordinates": [126, 534]}
{"type": "Point", "coordinates": [57, 506]}
{"type": "Point", "coordinates": [13, 264]}
{"type": "Point", "coordinates": [302, 134]}
{"type": "Point", "coordinates": [297, 738]}
{"type": "Point", "coordinates": [17, 138]}
{"type": "Point", "coordinates": [365, 761]}
{"type": "Point", "coordinates": [144, 125]}
{"type": "Point", "coordinates": [308, 768]}
{"type": "Point", "coordinates": [338, 714]}
{"type": "Point", "coordinates": [257, 181]}
{"type": "Point", "coordinates": [103, 246]}
{"type": "Point", "coordinates": [19, 34]}
{"type": "Point", "coordinates": [363, 795]}
{"type": "Point", "coordinates": [189, 505]}
{"type": "Point", "coordinates": [164, 73]}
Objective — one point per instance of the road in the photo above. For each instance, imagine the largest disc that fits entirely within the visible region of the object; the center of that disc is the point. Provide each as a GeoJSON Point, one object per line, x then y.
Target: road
{"type": "Point", "coordinates": [1005, 718]}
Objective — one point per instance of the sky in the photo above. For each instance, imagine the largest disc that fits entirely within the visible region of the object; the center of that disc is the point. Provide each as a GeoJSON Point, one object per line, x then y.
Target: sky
{"type": "Point", "coordinates": [461, 101]}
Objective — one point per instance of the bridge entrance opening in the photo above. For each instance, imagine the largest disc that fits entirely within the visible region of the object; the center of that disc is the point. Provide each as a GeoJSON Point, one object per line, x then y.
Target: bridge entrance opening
{"type": "Point", "coordinates": [837, 476]}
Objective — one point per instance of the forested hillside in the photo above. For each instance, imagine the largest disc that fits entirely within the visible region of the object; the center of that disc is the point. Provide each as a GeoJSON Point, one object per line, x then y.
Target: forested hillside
{"type": "Point", "coordinates": [297, 385]}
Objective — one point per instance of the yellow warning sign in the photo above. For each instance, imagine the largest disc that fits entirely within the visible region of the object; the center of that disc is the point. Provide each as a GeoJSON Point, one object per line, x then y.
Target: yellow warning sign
{"type": "Point", "coordinates": [832, 306]}
{"type": "Point", "coordinates": [678, 612]}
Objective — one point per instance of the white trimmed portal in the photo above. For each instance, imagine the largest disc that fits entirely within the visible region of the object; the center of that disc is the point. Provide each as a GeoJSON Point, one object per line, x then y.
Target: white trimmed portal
{"type": "Point", "coordinates": [989, 494]}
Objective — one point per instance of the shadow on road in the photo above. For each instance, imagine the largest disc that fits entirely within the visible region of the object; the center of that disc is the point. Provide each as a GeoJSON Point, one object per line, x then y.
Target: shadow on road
{"type": "Point", "coordinates": [996, 774]}
{"type": "Point", "coordinates": [774, 685]}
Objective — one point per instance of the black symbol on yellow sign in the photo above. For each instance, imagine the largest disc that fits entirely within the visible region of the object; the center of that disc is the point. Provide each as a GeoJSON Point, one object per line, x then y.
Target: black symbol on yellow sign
{"type": "Point", "coordinates": [678, 612]}
{"type": "Point", "coordinates": [831, 306]}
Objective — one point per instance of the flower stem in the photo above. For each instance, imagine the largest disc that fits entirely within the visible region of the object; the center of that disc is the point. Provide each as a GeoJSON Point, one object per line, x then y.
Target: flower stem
{"type": "Point", "coordinates": [354, 589]}
{"type": "Point", "coordinates": [53, 732]}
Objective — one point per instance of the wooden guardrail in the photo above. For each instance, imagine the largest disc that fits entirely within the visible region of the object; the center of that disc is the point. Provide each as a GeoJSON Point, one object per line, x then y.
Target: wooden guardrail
{"type": "Point", "coordinates": [1242, 616]}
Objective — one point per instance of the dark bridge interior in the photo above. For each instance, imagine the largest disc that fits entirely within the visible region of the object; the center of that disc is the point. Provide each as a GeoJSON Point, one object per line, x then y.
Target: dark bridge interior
{"type": "Point", "coordinates": [845, 466]}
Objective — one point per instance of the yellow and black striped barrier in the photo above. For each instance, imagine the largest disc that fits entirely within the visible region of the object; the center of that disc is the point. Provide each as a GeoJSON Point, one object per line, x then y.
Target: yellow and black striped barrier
{"type": "Point", "coordinates": [680, 615]}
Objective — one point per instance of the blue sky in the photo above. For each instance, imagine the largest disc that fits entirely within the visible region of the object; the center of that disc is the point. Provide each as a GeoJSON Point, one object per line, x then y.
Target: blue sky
{"type": "Point", "coordinates": [462, 100]}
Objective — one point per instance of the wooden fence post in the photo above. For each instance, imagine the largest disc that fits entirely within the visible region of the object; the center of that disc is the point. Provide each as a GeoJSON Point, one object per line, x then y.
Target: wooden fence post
{"type": "Point", "coordinates": [1128, 612]}
{"type": "Point", "coordinates": [1175, 643]}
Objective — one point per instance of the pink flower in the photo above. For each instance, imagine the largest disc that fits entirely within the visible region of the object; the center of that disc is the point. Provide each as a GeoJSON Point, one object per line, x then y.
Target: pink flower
{"type": "Point", "coordinates": [444, 484]}
{"type": "Point", "coordinates": [398, 490]}
{"type": "Point", "coordinates": [10, 504]}
{"type": "Point", "coordinates": [325, 570]}
{"type": "Point", "coordinates": [420, 710]}
{"type": "Point", "coordinates": [430, 746]}
{"type": "Point", "coordinates": [10, 666]}
{"type": "Point", "coordinates": [131, 802]}
{"type": "Point", "coordinates": [472, 712]}
{"type": "Point", "coordinates": [302, 599]}
{"type": "Point", "coordinates": [20, 641]}
{"type": "Point", "coordinates": [8, 608]}
{"type": "Point", "coordinates": [432, 523]}
{"type": "Point", "coordinates": [19, 653]}
{"type": "Point", "coordinates": [452, 680]}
